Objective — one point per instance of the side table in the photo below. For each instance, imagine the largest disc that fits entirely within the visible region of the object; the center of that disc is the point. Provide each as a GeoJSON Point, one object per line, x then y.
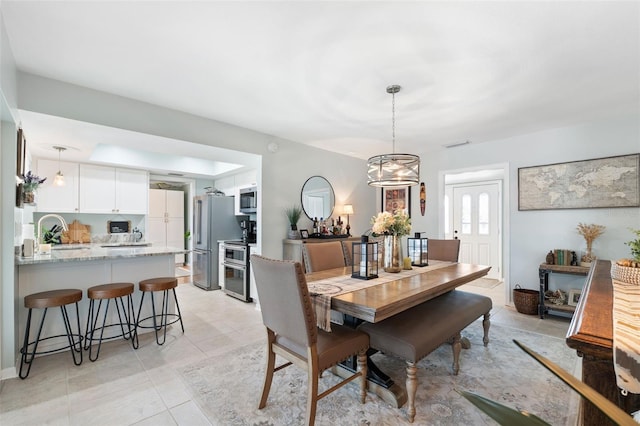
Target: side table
{"type": "Point", "coordinates": [543, 272]}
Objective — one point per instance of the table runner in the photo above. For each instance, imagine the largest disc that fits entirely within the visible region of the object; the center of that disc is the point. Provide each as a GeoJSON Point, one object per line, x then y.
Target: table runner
{"type": "Point", "coordinates": [626, 339]}
{"type": "Point", "coordinates": [322, 291]}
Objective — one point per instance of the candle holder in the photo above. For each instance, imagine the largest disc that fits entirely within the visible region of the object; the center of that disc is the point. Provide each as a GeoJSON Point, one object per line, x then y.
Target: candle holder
{"type": "Point", "coordinates": [365, 259]}
{"type": "Point", "coordinates": [417, 248]}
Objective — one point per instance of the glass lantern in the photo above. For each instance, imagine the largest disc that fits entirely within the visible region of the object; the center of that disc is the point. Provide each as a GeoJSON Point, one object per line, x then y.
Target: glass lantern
{"type": "Point", "coordinates": [417, 249]}
{"type": "Point", "coordinates": [365, 259]}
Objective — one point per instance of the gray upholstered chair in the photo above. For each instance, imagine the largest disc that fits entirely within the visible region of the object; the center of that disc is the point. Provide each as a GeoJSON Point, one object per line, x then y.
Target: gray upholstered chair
{"type": "Point", "coordinates": [347, 249]}
{"type": "Point", "coordinates": [321, 256]}
{"type": "Point", "coordinates": [288, 315]}
{"type": "Point", "coordinates": [447, 250]}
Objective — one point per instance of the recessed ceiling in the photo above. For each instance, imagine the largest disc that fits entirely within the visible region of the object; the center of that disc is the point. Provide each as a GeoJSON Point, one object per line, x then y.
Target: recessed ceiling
{"type": "Point", "coordinates": [316, 72]}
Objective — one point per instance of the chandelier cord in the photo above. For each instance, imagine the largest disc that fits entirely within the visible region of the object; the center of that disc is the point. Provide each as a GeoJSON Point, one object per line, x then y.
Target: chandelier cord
{"type": "Point", "coordinates": [393, 121]}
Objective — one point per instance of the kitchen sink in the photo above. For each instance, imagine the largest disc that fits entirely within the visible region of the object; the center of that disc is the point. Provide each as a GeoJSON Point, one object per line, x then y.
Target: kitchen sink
{"type": "Point", "coordinates": [112, 245]}
{"type": "Point", "coordinates": [69, 247]}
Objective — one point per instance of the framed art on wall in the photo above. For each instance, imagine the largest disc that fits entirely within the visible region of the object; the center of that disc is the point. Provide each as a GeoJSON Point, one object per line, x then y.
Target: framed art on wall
{"type": "Point", "coordinates": [396, 199]}
{"type": "Point", "coordinates": [597, 183]}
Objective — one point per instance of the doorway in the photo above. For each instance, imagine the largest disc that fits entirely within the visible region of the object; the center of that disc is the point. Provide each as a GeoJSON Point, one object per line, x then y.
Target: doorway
{"type": "Point", "coordinates": [474, 213]}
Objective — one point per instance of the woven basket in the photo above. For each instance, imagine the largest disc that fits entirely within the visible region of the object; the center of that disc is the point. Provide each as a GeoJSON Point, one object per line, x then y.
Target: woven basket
{"type": "Point", "coordinates": [625, 274]}
{"type": "Point", "coordinates": [526, 300]}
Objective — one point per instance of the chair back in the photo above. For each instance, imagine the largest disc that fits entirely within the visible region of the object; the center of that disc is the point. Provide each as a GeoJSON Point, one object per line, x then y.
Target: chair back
{"type": "Point", "coordinates": [447, 250]}
{"type": "Point", "coordinates": [284, 299]}
{"type": "Point", "coordinates": [347, 250]}
{"type": "Point", "coordinates": [321, 256]}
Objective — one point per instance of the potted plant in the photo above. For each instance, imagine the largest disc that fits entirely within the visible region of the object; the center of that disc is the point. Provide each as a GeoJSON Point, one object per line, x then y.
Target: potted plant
{"type": "Point", "coordinates": [30, 183]}
{"type": "Point", "coordinates": [628, 270]}
{"type": "Point", "coordinates": [293, 214]}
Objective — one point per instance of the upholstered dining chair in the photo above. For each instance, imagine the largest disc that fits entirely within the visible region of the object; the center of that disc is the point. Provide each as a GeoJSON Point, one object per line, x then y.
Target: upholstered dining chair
{"type": "Point", "coordinates": [447, 250]}
{"type": "Point", "coordinates": [292, 333]}
{"type": "Point", "coordinates": [321, 256]}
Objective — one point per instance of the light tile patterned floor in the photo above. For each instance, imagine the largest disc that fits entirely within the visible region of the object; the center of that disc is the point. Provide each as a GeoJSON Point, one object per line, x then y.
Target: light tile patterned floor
{"type": "Point", "coordinates": [126, 387]}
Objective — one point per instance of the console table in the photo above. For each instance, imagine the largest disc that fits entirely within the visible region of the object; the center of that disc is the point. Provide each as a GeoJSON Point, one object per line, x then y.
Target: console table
{"type": "Point", "coordinates": [591, 335]}
{"type": "Point", "coordinates": [543, 272]}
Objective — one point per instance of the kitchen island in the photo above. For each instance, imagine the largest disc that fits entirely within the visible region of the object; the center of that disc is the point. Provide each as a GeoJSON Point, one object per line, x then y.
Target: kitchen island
{"type": "Point", "coordinates": [82, 266]}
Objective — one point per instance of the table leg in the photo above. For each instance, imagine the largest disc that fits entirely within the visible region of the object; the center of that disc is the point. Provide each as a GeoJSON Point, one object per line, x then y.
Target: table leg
{"type": "Point", "coordinates": [391, 393]}
{"type": "Point", "coordinates": [543, 274]}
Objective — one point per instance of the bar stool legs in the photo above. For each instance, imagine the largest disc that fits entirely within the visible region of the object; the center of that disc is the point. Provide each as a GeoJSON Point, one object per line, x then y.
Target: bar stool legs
{"type": "Point", "coordinates": [126, 316]}
{"type": "Point", "coordinates": [163, 284]}
{"type": "Point", "coordinates": [46, 300]}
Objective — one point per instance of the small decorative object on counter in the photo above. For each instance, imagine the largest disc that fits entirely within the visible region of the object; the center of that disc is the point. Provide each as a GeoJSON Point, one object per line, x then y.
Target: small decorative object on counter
{"type": "Point", "coordinates": [365, 259]}
{"type": "Point", "coordinates": [550, 260]}
{"type": "Point", "coordinates": [574, 259]}
{"type": "Point", "coordinates": [589, 233]}
{"type": "Point", "coordinates": [628, 270]}
{"type": "Point", "coordinates": [293, 214]}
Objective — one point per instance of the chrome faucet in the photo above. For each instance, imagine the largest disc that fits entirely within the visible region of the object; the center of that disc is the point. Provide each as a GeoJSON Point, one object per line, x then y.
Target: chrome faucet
{"type": "Point", "coordinates": [60, 218]}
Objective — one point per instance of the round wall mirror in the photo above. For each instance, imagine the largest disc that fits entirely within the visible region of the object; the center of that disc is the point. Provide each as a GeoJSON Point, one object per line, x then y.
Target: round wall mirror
{"type": "Point", "coordinates": [317, 198]}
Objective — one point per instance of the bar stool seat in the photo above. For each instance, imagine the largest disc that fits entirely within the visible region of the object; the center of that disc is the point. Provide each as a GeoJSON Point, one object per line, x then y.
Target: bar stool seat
{"type": "Point", "coordinates": [152, 285]}
{"type": "Point", "coordinates": [45, 300]}
{"type": "Point", "coordinates": [126, 316]}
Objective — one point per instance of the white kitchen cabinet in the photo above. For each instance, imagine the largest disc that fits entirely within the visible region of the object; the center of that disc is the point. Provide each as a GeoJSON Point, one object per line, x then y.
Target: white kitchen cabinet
{"type": "Point", "coordinates": [113, 190]}
{"type": "Point", "coordinates": [165, 222]}
{"type": "Point", "coordinates": [58, 199]}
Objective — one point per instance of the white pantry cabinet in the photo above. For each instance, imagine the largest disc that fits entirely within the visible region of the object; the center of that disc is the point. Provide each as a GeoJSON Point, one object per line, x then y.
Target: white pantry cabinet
{"type": "Point", "coordinates": [58, 199]}
{"type": "Point", "coordinates": [165, 222]}
{"type": "Point", "coordinates": [113, 190]}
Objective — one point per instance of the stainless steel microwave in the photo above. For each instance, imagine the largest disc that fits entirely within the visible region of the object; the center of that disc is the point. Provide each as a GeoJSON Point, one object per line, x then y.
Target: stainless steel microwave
{"type": "Point", "coordinates": [249, 200]}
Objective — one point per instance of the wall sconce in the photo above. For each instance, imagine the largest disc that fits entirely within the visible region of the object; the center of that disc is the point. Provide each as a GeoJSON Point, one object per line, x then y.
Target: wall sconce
{"type": "Point", "coordinates": [58, 180]}
{"type": "Point", "coordinates": [348, 209]}
{"type": "Point", "coordinates": [417, 248]}
{"type": "Point", "coordinates": [365, 259]}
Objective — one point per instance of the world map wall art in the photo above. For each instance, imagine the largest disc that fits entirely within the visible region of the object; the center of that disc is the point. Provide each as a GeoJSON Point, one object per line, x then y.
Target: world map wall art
{"type": "Point", "coordinates": [597, 183]}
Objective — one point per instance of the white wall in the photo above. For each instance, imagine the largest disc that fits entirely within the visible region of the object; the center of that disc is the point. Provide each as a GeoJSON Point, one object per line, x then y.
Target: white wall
{"type": "Point", "coordinates": [533, 233]}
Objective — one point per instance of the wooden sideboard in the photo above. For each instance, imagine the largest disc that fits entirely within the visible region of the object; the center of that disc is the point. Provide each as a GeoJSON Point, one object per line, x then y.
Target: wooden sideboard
{"type": "Point", "coordinates": [543, 273]}
{"type": "Point", "coordinates": [591, 335]}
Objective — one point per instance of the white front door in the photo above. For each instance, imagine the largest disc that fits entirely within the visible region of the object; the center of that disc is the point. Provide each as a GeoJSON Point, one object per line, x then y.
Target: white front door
{"type": "Point", "coordinates": [476, 222]}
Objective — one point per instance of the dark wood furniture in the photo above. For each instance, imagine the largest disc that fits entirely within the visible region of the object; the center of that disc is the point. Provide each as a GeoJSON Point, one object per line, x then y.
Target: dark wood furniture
{"type": "Point", "coordinates": [543, 272]}
{"type": "Point", "coordinates": [591, 335]}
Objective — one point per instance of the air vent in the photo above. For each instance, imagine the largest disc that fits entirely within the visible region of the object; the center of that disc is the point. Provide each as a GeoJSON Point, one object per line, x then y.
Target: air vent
{"type": "Point", "coordinates": [176, 174]}
{"type": "Point", "coordinates": [453, 145]}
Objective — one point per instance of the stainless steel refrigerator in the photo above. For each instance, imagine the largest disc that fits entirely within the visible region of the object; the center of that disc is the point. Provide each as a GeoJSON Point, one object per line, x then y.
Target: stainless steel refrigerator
{"type": "Point", "coordinates": [213, 220]}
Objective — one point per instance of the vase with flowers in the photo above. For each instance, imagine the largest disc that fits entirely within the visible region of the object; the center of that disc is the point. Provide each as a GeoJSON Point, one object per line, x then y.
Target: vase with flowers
{"type": "Point", "coordinates": [589, 233]}
{"type": "Point", "coordinates": [30, 184]}
{"type": "Point", "coordinates": [392, 227]}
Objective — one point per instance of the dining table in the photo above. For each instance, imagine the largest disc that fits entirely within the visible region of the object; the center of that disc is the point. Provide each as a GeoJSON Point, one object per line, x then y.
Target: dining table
{"type": "Point", "coordinates": [380, 298]}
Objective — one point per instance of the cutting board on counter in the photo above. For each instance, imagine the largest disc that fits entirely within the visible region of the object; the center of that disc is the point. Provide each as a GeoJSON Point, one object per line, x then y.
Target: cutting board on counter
{"type": "Point", "coordinates": [77, 234]}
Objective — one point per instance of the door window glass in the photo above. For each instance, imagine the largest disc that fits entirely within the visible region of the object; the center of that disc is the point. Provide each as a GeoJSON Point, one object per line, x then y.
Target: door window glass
{"type": "Point", "coordinates": [483, 214]}
{"type": "Point", "coordinates": [465, 217]}
{"type": "Point", "coordinates": [447, 229]}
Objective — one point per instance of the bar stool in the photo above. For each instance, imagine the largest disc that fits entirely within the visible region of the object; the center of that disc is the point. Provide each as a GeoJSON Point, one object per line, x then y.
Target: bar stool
{"type": "Point", "coordinates": [107, 292]}
{"type": "Point", "coordinates": [163, 284]}
{"type": "Point", "coordinates": [45, 300]}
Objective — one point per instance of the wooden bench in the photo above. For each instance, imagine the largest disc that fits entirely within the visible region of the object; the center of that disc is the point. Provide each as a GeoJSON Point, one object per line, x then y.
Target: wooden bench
{"type": "Point", "coordinates": [416, 332]}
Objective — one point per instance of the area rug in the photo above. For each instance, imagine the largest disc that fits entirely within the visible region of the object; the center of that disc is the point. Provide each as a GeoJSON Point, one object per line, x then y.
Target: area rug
{"type": "Point", "coordinates": [227, 388]}
{"type": "Point", "coordinates": [484, 283]}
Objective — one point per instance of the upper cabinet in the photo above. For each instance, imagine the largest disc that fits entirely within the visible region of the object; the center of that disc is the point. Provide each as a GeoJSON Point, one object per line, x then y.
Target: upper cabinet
{"type": "Point", "coordinates": [113, 190]}
{"type": "Point", "coordinates": [59, 199]}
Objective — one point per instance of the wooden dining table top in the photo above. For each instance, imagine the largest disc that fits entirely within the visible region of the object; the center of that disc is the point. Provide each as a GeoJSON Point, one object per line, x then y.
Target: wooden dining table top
{"type": "Point", "coordinates": [378, 302]}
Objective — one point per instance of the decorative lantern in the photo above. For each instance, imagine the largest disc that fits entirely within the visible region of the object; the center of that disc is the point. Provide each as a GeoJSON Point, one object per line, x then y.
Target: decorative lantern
{"type": "Point", "coordinates": [365, 259]}
{"type": "Point", "coordinates": [417, 248]}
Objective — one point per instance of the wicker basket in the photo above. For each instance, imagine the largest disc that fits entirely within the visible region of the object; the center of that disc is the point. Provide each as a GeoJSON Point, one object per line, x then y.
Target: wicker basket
{"type": "Point", "coordinates": [526, 300]}
{"type": "Point", "coordinates": [625, 274]}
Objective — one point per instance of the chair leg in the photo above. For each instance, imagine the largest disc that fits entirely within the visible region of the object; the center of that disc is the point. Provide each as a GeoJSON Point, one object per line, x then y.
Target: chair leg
{"type": "Point", "coordinates": [268, 374]}
{"type": "Point", "coordinates": [175, 297]}
{"type": "Point", "coordinates": [70, 335]}
{"type": "Point", "coordinates": [312, 393]}
{"type": "Point", "coordinates": [486, 323]}
{"type": "Point", "coordinates": [25, 358]}
{"type": "Point", "coordinates": [412, 387]}
{"type": "Point", "coordinates": [457, 347]}
{"type": "Point", "coordinates": [362, 368]}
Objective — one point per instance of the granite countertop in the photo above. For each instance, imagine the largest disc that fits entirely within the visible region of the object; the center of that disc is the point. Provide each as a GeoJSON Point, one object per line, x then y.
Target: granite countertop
{"type": "Point", "coordinates": [87, 252]}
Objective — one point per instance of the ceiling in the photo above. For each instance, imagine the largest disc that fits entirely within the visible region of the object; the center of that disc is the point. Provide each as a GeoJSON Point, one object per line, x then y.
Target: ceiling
{"type": "Point", "coordinates": [316, 72]}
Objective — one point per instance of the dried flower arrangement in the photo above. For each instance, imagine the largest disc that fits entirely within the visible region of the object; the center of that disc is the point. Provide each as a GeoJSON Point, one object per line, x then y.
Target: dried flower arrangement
{"type": "Point", "coordinates": [589, 233]}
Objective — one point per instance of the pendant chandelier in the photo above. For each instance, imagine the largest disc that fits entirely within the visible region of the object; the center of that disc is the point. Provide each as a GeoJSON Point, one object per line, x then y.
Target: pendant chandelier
{"type": "Point", "coordinates": [59, 179]}
{"type": "Point", "coordinates": [393, 169]}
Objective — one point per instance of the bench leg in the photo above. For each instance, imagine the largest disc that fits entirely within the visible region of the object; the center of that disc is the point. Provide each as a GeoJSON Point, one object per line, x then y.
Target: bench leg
{"type": "Point", "coordinates": [412, 387]}
{"type": "Point", "coordinates": [486, 323]}
{"type": "Point", "coordinates": [457, 347]}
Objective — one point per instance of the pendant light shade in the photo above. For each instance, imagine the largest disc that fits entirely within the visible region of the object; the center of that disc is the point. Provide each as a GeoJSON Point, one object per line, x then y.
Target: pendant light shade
{"type": "Point", "coordinates": [58, 180]}
{"type": "Point", "coordinates": [393, 169]}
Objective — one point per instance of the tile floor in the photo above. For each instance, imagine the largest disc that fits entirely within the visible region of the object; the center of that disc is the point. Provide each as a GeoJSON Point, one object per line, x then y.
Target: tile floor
{"type": "Point", "coordinates": [126, 387]}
